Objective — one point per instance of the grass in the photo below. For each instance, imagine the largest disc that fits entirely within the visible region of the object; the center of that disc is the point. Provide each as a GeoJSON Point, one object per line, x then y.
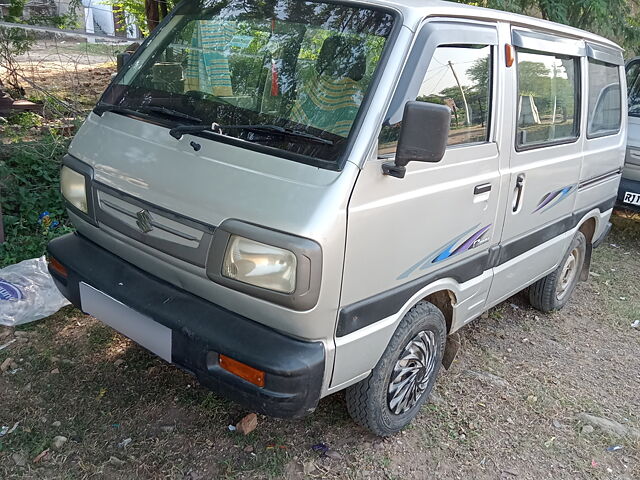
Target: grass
{"type": "Point", "coordinates": [106, 49]}
{"type": "Point", "coordinates": [100, 336]}
{"type": "Point", "coordinates": [31, 204]}
{"type": "Point", "coordinates": [615, 275]}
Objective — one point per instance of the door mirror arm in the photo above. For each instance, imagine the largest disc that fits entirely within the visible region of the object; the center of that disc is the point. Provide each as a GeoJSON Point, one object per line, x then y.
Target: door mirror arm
{"type": "Point", "coordinates": [423, 136]}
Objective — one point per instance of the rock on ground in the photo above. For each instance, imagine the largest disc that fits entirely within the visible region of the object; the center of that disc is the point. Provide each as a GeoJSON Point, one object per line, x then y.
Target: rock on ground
{"type": "Point", "coordinates": [58, 441]}
{"type": "Point", "coordinates": [487, 377]}
{"type": "Point", "coordinates": [248, 424]}
{"type": "Point", "coordinates": [19, 459]}
{"type": "Point", "coordinates": [610, 426]}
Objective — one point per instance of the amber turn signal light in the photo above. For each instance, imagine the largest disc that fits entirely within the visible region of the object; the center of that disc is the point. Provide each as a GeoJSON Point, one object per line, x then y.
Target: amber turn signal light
{"type": "Point", "coordinates": [509, 54]}
{"type": "Point", "coordinates": [243, 371]}
{"type": "Point", "coordinates": [57, 267]}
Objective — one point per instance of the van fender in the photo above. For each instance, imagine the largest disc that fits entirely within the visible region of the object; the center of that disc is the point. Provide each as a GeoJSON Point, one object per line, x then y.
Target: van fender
{"type": "Point", "coordinates": [358, 352]}
{"type": "Point", "coordinates": [593, 225]}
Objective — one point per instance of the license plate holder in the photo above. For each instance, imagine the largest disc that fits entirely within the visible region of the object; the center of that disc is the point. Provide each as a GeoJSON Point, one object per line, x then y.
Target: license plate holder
{"type": "Point", "coordinates": [141, 329]}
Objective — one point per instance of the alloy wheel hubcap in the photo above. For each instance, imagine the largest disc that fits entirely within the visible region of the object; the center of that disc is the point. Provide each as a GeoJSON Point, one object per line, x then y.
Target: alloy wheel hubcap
{"type": "Point", "coordinates": [412, 372]}
{"type": "Point", "coordinates": [569, 272]}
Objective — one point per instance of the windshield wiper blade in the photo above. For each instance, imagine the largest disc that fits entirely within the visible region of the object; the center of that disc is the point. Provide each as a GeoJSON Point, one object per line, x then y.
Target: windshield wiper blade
{"type": "Point", "coordinates": [170, 112]}
{"type": "Point", "coordinates": [180, 130]}
{"type": "Point", "coordinates": [100, 108]}
{"type": "Point", "coordinates": [143, 111]}
{"type": "Point", "coordinates": [288, 132]}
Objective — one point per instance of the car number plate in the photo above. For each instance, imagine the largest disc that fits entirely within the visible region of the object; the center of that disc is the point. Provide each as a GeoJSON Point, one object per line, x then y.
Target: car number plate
{"type": "Point", "coordinates": [631, 198]}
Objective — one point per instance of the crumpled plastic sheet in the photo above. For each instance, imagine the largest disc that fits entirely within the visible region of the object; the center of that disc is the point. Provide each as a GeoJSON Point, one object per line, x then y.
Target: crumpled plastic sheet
{"type": "Point", "coordinates": [27, 293]}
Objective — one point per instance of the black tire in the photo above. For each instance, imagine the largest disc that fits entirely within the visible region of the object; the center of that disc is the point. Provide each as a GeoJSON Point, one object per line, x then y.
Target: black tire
{"type": "Point", "coordinates": [368, 401]}
{"type": "Point", "coordinates": [544, 295]}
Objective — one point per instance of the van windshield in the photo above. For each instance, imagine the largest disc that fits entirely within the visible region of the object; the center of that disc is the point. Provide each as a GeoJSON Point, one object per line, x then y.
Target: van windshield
{"type": "Point", "coordinates": [633, 87]}
{"type": "Point", "coordinates": [283, 74]}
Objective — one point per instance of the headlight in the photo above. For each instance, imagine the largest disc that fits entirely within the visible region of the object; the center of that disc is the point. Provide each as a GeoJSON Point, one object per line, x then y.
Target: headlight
{"type": "Point", "coordinates": [73, 187]}
{"type": "Point", "coordinates": [260, 265]}
{"type": "Point", "coordinates": [275, 266]}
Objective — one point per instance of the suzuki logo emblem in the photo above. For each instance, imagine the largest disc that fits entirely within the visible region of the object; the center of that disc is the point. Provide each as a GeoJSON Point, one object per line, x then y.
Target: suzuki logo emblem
{"type": "Point", "coordinates": [144, 221]}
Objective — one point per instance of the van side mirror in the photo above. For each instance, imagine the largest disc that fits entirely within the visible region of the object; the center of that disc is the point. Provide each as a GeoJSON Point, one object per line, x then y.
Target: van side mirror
{"type": "Point", "coordinates": [121, 60]}
{"type": "Point", "coordinates": [123, 57]}
{"type": "Point", "coordinates": [423, 136]}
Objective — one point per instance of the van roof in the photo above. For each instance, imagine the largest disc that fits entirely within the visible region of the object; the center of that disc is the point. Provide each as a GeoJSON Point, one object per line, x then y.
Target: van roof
{"type": "Point", "coordinates": [415, 10]}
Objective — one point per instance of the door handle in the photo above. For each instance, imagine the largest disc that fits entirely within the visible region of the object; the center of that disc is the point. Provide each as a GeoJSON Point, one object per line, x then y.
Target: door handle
{"type": "Point", "coordinates": [484, 188]}
{"type": "Point", "coordinates": [517, 194]}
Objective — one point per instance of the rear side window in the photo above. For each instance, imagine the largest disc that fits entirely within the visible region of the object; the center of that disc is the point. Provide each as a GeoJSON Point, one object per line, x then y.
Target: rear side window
{"type": "Point", "coordinates": [605, 107]}
{"type": "Point", "coordinates": [548, 86]}
{"type": "Point", "coordinates": [458, 76]}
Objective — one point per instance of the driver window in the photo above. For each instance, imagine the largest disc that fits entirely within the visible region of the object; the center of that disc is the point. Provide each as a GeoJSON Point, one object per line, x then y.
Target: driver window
{"type": "Point", "coordinates": [458, 76]}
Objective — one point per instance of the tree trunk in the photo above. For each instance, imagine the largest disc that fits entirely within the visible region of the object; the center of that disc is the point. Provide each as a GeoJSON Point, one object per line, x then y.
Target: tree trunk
{"type": "Point", "coordinates": [163, 9]}
{"type": "Point", "coordinates": [152, 13]}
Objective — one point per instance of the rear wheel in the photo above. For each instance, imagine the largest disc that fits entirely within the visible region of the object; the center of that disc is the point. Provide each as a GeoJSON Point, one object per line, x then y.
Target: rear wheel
{"type": "Point", "coordinates": [553, 291]}
{"type": "Point", "coordinates": [387, 400]}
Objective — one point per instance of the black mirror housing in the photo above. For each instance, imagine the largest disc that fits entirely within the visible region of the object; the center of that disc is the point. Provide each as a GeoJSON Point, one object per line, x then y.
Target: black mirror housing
{"type": "Point", "coordinates": [123, 57]}
{"type": "Point", "coordinates": [121, 60]}
{"type": "Point", "coordinates": [423, 136]}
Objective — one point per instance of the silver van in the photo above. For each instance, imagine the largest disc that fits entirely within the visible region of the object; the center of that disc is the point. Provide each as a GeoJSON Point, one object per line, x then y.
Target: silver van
{"type": "Point", "coordinates": [629, 192]}
{"type": "Point", "coordinates": [292, 198]}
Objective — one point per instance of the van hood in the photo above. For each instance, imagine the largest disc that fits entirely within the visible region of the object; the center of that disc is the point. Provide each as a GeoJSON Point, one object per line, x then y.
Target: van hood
{"type": "Point", "coordinates": [216, 183]}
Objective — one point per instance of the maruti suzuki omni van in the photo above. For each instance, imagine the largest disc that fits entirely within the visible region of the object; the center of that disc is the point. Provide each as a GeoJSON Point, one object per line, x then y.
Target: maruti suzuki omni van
{"type": "Point", "coordinates": [629, 191]}
{"type": "Point", "coordinates": [292, 198]}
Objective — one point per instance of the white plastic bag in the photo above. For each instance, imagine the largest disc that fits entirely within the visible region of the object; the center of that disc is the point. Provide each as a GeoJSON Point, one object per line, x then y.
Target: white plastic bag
{"type": "Point", "coordinates": [27, 293]}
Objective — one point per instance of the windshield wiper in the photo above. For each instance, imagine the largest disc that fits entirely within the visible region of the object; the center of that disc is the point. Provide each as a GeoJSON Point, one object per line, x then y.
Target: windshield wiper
{"type": "Point", "coordinates": [106, 107]}
{"type": "Point", "coordinates": [178, 131]}
{"type": "Point", "coordinates": [143, 110]}
{"type": "Point", "coordinates": [287, 132]}
{"type": "Point", "coordinates": [170, 112]}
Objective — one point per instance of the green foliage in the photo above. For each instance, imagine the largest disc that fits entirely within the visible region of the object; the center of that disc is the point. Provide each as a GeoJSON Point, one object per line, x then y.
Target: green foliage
{"type": "Point", "coordinates": [136, 8]}
{"type": "Point", "coordinates": [615, 19]}
{"type": "Point", "coordinates": [16, 8]}
{"type": "Point", "coordinates": [25, 120]}
{"type": "Point", "coordinates": [29, 185]}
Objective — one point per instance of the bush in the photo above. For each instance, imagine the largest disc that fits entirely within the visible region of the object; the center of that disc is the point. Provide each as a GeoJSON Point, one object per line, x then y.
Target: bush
{"type": "Point", "coordinates": [29, 187]}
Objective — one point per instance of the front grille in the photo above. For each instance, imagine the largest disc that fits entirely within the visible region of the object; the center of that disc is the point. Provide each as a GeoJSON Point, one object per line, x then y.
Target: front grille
{"type": "Point", "coordinates": [166, 231]}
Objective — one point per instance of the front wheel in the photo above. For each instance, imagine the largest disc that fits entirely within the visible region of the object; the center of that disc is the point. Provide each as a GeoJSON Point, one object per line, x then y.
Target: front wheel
{"type": "Point", "coordinates": [389, 399]}
{"type": "Point", "coordinates": [553, 291]}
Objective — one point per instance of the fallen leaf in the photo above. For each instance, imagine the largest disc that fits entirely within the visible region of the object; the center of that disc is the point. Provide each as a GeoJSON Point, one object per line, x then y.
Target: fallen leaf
{"type": "Point", "coordinates": [41, 456]}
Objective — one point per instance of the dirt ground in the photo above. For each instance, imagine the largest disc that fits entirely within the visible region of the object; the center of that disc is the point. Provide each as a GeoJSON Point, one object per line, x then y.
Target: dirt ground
{"type": "Point", "coordinates": [65, 73]}
{"type": "Point", "coordinates": [508, 408]}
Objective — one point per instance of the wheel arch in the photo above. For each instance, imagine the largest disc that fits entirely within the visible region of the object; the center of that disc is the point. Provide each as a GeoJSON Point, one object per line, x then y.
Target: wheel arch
{"type": "Point", "coordinates": [588, 226]}
{"type": "Point", "coordinates": [444, 300]}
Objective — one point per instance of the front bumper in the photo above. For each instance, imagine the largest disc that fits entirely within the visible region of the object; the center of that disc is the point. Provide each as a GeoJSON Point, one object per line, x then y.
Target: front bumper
{"type": "Point", "coordinates": [627, 185]}
{"type": "Point", "coordinates": [200, 331]}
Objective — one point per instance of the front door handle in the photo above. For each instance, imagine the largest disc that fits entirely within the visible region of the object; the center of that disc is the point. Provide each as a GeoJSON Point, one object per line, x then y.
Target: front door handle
{"type": "Point", "coordinates": [484, 188]}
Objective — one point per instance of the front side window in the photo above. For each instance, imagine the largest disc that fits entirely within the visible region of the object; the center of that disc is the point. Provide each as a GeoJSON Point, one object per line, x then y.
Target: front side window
{"type": "Point", "coordinates": [458, 76]}
{"type": "Point", "coordinates": [548, 87]}
{"type": "Point", "coordinates": [287, 75]}
{"type": "Point", "coordinates": [604, 99]}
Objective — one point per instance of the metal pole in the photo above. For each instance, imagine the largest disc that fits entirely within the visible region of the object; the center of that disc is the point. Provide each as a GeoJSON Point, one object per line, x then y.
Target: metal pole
{"type": "Point", "coordinates": [464, 97]}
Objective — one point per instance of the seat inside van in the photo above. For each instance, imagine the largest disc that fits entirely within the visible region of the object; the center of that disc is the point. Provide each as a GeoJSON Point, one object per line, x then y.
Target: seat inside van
{"type": "Point", "coordinates": [330, 99]}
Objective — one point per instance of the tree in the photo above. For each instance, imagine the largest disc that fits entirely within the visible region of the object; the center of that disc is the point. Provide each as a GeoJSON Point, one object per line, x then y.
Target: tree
{"type": "Point", "coordinates": [147, 14]}
{"type": "Point", "coordinates": [533, 78]}
{"type": "Point", "coordinates": [618, 20]}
